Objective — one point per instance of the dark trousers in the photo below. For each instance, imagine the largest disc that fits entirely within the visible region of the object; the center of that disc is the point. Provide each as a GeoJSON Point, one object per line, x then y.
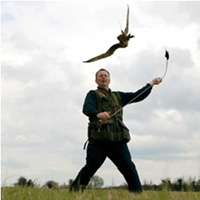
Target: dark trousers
{"type": "Point", "coordinates": [119, 154]}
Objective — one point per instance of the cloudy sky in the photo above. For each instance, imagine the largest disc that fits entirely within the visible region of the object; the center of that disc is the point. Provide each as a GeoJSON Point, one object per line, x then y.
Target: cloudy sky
{"type": "Point", "coordinates": [44, 84]}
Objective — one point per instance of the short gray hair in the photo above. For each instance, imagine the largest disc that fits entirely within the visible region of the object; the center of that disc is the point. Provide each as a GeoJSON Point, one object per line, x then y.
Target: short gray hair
{"type": "Point", "coordinates": [102, 70]}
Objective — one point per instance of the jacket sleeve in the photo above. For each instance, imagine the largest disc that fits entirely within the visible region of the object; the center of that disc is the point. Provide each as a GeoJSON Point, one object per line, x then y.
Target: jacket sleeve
{"type": "Point", "coordinates": [132, 97]}
{"type": "Point", "coordinates": [90, 104]}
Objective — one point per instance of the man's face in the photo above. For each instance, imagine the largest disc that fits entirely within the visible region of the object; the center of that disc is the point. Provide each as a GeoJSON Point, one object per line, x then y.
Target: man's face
{"type": "Point", "coordinates": [103, 79]}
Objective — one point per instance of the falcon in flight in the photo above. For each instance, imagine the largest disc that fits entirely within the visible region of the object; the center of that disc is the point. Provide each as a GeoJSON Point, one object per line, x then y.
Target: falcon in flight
{"type": "Point", "coordinates": [123, 42]}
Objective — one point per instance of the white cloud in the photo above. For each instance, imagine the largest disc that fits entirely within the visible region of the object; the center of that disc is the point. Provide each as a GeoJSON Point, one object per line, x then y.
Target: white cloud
{"type": "Point", "coordinates": [15, 164]}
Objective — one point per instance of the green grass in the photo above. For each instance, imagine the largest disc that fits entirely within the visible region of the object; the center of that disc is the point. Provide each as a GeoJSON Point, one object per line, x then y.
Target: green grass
{"type": "Point", "coordinates": [107, 194]}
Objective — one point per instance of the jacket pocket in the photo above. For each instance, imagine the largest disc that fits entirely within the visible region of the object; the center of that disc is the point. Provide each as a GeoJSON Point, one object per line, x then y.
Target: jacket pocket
{"type": "Point", "coordinates": [125, 135]}
{"type": "Point", "coordinates": [100, 131]}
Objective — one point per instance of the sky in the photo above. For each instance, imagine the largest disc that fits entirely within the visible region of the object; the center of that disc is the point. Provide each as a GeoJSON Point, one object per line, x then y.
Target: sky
{"type": "Point", "coordinates": [44, 83]}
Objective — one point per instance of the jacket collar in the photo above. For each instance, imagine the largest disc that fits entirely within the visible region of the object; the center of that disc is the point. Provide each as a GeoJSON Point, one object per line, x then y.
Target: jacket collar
{"type": "Point", "coordinates": [104, 90]}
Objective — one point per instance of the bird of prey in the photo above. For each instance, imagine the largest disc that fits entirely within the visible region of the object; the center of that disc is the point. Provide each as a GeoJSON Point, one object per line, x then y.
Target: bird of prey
{"type": "Point", "coordinates": [123, 42]}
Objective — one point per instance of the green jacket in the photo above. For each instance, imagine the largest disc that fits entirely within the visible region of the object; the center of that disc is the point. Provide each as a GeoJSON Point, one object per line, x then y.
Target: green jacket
{"type": "Point", "coordinates": [101, 100]}
{"type": "Point", "coordinates": [112, 129]}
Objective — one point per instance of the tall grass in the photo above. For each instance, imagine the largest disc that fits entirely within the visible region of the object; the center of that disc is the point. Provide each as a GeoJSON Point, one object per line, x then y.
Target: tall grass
{"type": "Point", "coordinates": [20, 193]}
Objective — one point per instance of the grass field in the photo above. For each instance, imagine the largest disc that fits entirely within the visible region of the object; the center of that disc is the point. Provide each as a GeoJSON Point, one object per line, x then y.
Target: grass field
{"type": "Point", "coordinates": [61, 194]}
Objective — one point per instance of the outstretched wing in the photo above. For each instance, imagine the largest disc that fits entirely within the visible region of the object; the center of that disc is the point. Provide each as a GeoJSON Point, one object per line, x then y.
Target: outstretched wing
{"type": "Point", "coordinates": [127, 21]}
{"type": "Point", "coordinates": [108, 53]}
{"type": "Point", "coordinates": [123, 42]}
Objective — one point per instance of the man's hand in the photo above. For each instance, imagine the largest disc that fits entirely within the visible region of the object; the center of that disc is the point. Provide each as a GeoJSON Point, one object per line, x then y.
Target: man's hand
{"type": "Point", "coordinates": [156, 81]}
{"type": "Point", "coordinates": [103, 116]}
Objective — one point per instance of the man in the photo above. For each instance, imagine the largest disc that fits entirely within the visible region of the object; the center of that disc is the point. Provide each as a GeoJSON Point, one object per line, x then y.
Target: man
{"type": "Point", "coordinates": [107, 134]}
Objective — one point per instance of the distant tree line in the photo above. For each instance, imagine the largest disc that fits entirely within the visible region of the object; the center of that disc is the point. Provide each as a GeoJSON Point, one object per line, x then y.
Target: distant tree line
{"type": "Point", "coordinates": [179, 184]}
{"type": "Point", "coordinates": [97, 182]}
{"type": "Point", "coordinates": [22, 182]}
